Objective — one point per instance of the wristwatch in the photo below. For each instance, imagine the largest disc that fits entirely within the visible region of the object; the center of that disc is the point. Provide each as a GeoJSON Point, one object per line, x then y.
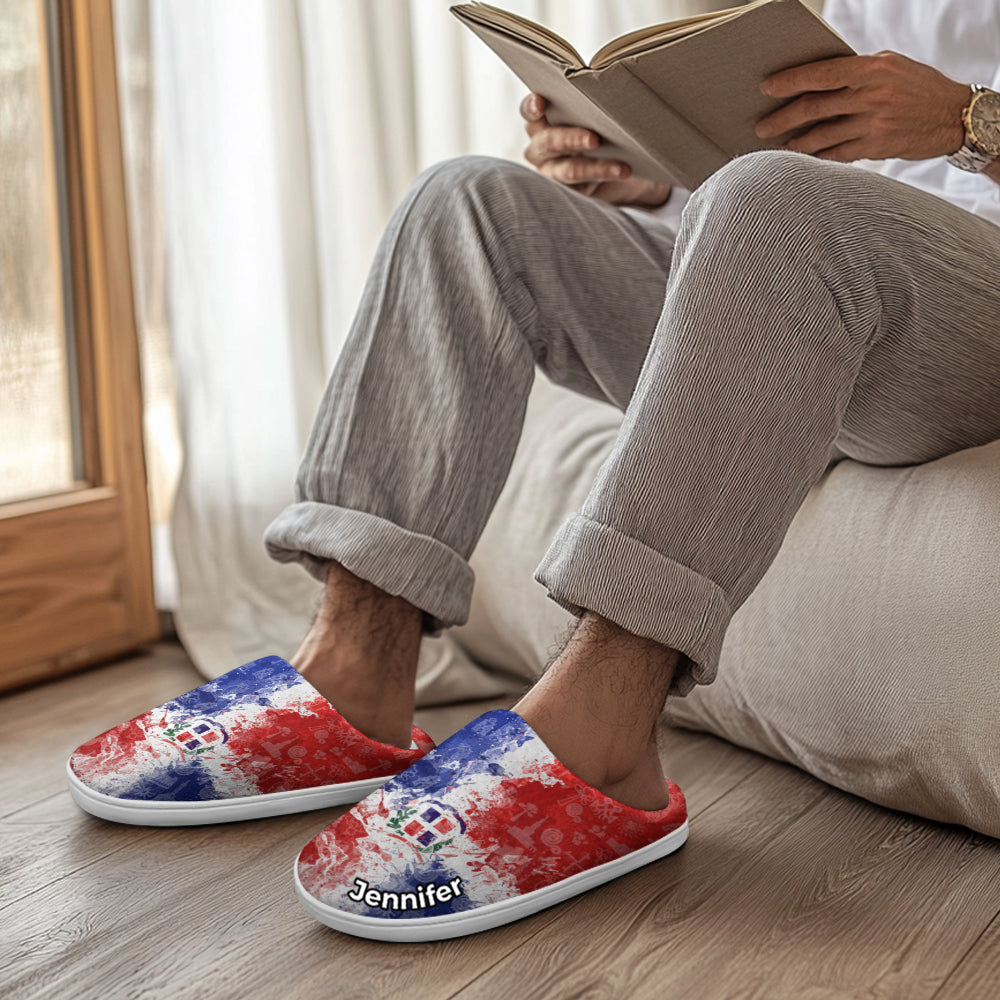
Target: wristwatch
{"type": "Point", "coordinates": [981, 119]}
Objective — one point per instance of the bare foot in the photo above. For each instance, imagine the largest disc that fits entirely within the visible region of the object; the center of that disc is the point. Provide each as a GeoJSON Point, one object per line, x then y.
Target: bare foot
{"type": "Point", "coordinates": [641, 784]}
{"type": "Point", "coordinates": [361, 654]}
{"type": "Point", "coordinates": [596, 708]}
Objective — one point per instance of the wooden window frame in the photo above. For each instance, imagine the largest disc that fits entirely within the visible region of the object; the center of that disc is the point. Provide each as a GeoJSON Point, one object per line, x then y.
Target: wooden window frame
{"type": "Point", "coordinates": [76, 580]}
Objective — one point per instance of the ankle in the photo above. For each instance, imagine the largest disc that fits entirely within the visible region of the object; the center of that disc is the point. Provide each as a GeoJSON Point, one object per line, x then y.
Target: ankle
{"type": "Point", "coordinates": [361, 654]}
{"type": "Point", "coordinates": [598, 756]}
{"type": "Point", "coordinates": [382, 723]}
{"type": "Point", "coordinates": [616, 764]}
{"type": "Point", "coordinates": [623, 765]}
{"type": "Point", "coordinates": [596, 708]}
{"type": "Point", "coordinates": [377, 705]}
{"type": "Point", "coordinates": [643, 785]}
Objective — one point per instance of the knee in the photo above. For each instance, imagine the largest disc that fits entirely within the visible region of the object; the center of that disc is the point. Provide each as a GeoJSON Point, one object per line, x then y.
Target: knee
{"type": "Point", "coordinates": [483, 185]}
{"type": "Point", "coordinates": [772, 191]}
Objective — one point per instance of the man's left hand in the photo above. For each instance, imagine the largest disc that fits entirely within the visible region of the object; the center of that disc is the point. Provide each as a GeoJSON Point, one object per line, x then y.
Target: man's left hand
{"type": "Point", "coordinates": [867, 107]}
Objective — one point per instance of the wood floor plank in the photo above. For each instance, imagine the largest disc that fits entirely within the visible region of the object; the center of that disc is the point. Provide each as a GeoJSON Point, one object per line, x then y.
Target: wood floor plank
{"type": "Point", "coordinates": [87, 897]}
{"type": "Point", "coordinates": [977, 975]}
{"type": "Point", "coordinates": [41, 726]}
{"type": "Point", "coordinates": [46, 841]}
{"type": "Point", "coordinates": [40, 840]}
{"type": "Point", "coordinates": [787, 888]}
{"type": "Point", "coordinates": [213, 902]}
{"type": "Point", "coordinates": [705, 767]}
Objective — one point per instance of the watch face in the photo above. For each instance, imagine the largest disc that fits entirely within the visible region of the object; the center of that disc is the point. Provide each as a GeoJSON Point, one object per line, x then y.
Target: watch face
{"type": "Point", "coordinates": [984, 117]}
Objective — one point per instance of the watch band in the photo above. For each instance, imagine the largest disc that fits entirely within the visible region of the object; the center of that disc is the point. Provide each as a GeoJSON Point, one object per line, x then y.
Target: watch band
{"type": "Point", "coordinates": [970, 157]}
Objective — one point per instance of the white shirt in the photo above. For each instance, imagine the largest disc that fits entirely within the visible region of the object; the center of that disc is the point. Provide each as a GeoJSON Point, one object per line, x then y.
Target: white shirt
{"type": "Point", "coordinates": [959, 37]}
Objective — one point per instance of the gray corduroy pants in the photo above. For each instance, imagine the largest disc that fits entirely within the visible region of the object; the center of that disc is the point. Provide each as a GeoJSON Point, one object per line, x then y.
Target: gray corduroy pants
{"type": "Point", "coordinates": [806, 311]}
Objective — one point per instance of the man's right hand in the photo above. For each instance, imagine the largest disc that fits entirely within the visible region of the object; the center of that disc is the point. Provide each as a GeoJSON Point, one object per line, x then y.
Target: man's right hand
{"type": "Point", "coordinates": [559, 152]}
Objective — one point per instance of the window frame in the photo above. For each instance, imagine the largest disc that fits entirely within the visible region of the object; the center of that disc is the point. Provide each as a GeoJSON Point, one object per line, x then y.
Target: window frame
{"type": "Point", "coordinates": [76, 580]}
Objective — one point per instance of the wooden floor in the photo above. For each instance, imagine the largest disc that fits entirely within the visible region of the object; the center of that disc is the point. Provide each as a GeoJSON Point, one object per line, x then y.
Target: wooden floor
{"type": "Point", "coordinates": [786, 888]}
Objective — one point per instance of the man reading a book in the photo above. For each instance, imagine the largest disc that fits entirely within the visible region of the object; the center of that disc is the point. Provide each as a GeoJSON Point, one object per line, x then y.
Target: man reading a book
{"type": "Point", "coordinates": [814, 309]}
{"type": "Point", "coordinates": [797, 308]}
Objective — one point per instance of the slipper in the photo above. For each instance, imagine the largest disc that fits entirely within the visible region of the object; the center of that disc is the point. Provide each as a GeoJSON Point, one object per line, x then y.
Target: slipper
{"type": "Point", "coordinates": [258, 741]}
{"type": "Point", "coordinates": [486, 829]}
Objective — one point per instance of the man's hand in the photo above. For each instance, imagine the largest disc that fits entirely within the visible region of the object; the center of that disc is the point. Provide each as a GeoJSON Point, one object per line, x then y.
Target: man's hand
{"type": "Point", "coordinates": [559, 152]}
{"type": "Point", "coordinates": [867, 107]}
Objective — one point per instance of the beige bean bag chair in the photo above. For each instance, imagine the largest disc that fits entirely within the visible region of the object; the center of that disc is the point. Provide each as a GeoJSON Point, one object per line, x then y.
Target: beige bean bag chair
{"type": "Point", "coordinates": [869, 655]}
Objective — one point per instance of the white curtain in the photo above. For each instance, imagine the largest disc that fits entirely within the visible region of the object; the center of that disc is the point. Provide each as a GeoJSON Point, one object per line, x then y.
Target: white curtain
{"type": "Point", "coordinates": [287, 133]}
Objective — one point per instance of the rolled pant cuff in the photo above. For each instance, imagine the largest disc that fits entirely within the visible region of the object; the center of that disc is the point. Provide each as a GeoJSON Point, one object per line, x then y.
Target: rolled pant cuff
{"type": "Point", "coordinates": [591, 566]}
{"type": "Point", "coordinates": [422, 569]}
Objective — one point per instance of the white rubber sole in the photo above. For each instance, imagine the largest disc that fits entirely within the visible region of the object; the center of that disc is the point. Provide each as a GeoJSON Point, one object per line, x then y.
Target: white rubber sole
{"type": "Point", "coordinates": [144, 813]}
{"type": "Point", "coordinates": [452, 925]}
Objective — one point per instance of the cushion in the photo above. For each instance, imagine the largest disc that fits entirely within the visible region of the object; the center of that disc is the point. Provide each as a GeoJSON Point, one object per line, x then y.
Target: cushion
{"type": "Point", "coordinates": [869, 655]}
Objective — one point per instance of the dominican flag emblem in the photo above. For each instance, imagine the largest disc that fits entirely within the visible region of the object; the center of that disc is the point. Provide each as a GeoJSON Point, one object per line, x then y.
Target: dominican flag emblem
{"type": "Point", "coordinates": [197, 735]}
{"type": "Point", "coordinates": [429, 827]}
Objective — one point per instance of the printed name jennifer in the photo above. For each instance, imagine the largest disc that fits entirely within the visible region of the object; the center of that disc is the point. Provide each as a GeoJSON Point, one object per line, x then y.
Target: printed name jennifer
{"type": "Point", "coordinates": [423, 897]}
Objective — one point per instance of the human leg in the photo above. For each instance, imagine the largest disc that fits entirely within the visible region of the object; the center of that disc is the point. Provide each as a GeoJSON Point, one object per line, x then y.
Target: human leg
{"type": "Point", "coordinates": [845, 329]}
{"type": "Point", "coordinates": [811, 308]}
{"type": "Point", "coordinates": [485, 271]}
{"type": "Point", "coordinates": [597, 706]}
{"type": "Point", "coordinates": [776, 336]}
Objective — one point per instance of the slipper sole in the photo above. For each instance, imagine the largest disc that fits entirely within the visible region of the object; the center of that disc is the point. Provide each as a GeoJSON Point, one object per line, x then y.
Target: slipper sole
{"type": "Point", "coordinates": [489, 915]}
{"type": "Point", "coordinates": [145, 812]}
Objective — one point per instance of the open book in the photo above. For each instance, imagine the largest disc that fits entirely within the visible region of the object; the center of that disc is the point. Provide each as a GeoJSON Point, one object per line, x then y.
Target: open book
{"type": "Point", "coordinates": [675, 101]}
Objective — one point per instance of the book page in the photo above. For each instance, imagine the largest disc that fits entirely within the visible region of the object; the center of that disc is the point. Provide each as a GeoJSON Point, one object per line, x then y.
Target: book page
{"type": "Point", "coordinates": [536, 35]}
{"type": "Point", "coordinates": [657, 34]}
{"type": "Point", "coordinates": [560, 85]}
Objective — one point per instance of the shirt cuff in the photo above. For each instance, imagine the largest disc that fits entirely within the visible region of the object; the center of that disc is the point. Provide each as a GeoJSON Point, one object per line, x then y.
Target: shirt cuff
{"type": "Point", "coordinates": [669, 213]}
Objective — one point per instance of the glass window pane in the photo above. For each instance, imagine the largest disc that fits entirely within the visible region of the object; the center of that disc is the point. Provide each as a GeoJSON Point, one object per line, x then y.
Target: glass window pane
{"type": "Point", "coordinates": [36, 451]}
